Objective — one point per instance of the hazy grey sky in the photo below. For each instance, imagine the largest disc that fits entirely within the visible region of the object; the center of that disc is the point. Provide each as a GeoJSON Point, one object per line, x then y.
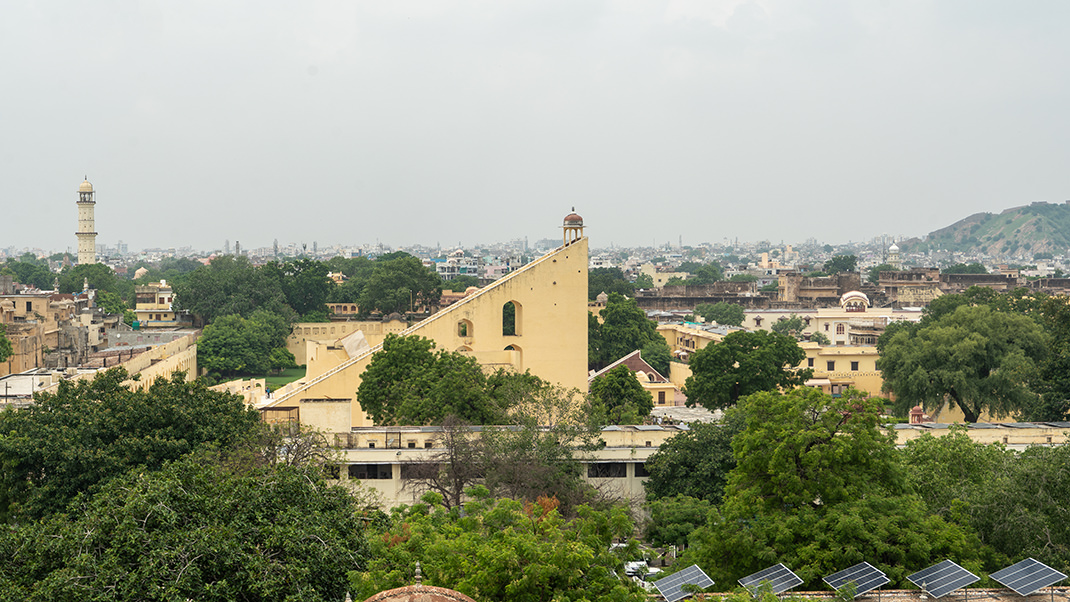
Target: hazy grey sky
{"type": "Point", "coordinates": [478, 121]}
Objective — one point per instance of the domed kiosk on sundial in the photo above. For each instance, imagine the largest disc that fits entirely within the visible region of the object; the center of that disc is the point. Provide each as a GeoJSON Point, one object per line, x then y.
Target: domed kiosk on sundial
{"type": "Point", "coordinates": [573, 227]}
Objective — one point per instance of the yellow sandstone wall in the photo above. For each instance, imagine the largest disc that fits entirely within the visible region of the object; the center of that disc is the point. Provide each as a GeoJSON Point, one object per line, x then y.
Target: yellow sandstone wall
{"type": "Point", "coordinates": [550, 295]}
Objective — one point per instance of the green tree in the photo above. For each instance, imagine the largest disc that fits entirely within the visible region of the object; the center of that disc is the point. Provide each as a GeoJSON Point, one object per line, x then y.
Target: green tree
{"type": "Point", "coordinates": [620, 397]}
{"type": "Point", "coordinates": [502, 549]}
{"type": "Point", "coordinates": [33, 272]}
{"type": "Point", "coordinates": [818, 485]}
{"type": "Point", "coordinates": [708, 273]}
{"type": "Point", "coordinates": [973, 358]}
{"type": "Point", "coordinates": [399, 284]}
{"type": "Point", "coordinates": [231, 285]}
{"type": "Point", "coordinates": [234, 345]}
{"type": "Point", "coordinates": [100, 277]}
{"type": "Point", "coordinates": [536, 455]}
{"type": "Point", "coordinates": [408, 382]}
{"type": "Point", "coordinates": [840, 264]}
{"type": "Point", "coordinates": [197, 529]}
{"type": "Point", "coordinates": [304, 282]}
{"type": "Point", "coordinates": [673, 519]}
{"type": "Point", "coordinates": [694, 463]}
{"type": "Point", "coordinates": [644, 281]}
{"type": "Point", "coordinates": [89, 432]}
{"type": "Point", "coordinates": [6, 350]}
{"type": "Point", "coordinates": [721, 312]}
{"type": "Point", "coordinates": [461, 283]}
{"type": "Point", "coordinates": [281, 359]}
{"type": "Point", "coordinates": [609, 281]}
{"type": "Point", "coordinates": [743, 278]}
{"type": "Point", "coordinates": [741, 364]}
{"type": "Point", "coordinates": [820, 338]}
{"type": "Point", "coordinates": [624, 328]}
{"type": "Point", "coordinates": [873, 276]}
{"type": "Point", "coordinates": [963, 268]}
{"type": "Point", "coordinates": [791, 326]}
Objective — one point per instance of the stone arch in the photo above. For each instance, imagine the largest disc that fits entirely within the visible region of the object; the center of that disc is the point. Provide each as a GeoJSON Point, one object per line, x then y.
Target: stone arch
{"type": "Point", "coordinates": [512, 318]}
{"type": "Point", "coordinates": [464, 349]}
{"type": "Point", "coordinates": [464, 327]}
{"type": "Point", "coordinates": [517, 354]}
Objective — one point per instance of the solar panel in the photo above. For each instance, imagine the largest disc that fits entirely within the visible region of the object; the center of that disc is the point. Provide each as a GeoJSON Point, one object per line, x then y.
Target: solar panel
{"type": "Point", "coordinates": [942, 579]}
{"type": "Point", "coordinates": [779, 577]}
{"type": "Point", "coordinates": [671, 587]}
{"type": "Point", "coordinates": [864, 575]}
{"type": "Point", "coordinates": [1027, 576]}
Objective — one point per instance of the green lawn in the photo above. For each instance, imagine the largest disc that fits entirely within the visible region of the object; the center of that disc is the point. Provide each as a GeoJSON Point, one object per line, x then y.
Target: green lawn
{"type": "Point", "coordinates": [274, 381]}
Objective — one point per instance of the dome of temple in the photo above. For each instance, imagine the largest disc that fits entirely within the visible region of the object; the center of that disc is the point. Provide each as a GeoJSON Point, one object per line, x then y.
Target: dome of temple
{"type": "Point", "coordinates": [86, 186]}
{"type": "Point", "coordinates": [573, 220]}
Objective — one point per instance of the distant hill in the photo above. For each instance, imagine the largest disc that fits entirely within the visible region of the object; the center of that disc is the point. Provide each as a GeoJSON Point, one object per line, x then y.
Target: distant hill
{"type": "Point", "coordinates": [1025, 231]}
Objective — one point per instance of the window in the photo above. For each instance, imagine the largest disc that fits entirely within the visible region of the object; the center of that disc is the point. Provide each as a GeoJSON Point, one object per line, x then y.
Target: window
{"type": "Point", "coordinates": [427, 444]}
{"type": "Point", "coordinates": [826, 327]}
{"type": "Point", "coordinates": [661, 398]}
{"type": "Point", "coordinates": [371, 445]}
{"type": "Point", "coordinates": [831, 365]}
{"type": "Point", "coordinates": [29, 306]}
{"type": "Point", "coordinates": [839, 329]}
{"type": "Point", "coordinates": [757, 320]}
{"type": "Point", "coordinates": [412, 445]}
{"type": "Point", "coordinates": [809, 362]}
{"type": "Point", "coordinates": [640, 470]}
{"type": "Point", "coordinates": [607, 470]}
{"type": "Point", "coordinates": [854, 366]}
{"type": "Point", "coordinates": [371, 471]}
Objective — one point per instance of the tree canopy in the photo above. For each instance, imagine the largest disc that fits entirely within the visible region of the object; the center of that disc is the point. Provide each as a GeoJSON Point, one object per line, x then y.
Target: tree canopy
{"type": "Point", "coordinates": [873, 275]}
{"type": "Point", "coordinates": [694, 463]}
{"type": "Point", "coordinates": [6, 350]}
{"type": "Point", "coordinates": [841, 263]}
{"type": "Point", "coordinates": [502, 550]}
{"type": "Point", "coordinates": [819, 486]}
{"type": "Point", "coordinates": [791, 326]}
{"type": "Point", "coordinates": [963, 268]}
{"type": "Point", "coordinates": [233, 345]}
{"type": "Point", "coordinates": [741, 364]}
{"type": "Point", "coordinates": [620, 397]}
{"type": "Point", "coordinates": [399, 284]}
{"type": "Point", "coordinates": [623, 329]}
{"type": "Point", "coordinates": [976, 359]}
{"type": "Point", "coordinates": [730, 314]}
{"type": "Point", "coordinates": [609, 281]}
{"type": "Point", "coordinates": [409, 382]}
{"type": "Point", "coordinates": [88, 432]}
{"type": "Point", "coordinates": [197, 529]}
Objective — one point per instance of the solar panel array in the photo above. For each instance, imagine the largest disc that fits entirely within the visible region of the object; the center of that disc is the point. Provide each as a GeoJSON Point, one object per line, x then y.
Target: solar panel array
{"type": "Point", "coordinates": [671, 587]}
{"type": "Point", "coordinates": [864, 575]}
{"type": "Point", "coordinates": [779, 577]}
{"type": "Point", "coordinates": [1027, 576]}
{"type": "Point", "coordinates": [942, 579]}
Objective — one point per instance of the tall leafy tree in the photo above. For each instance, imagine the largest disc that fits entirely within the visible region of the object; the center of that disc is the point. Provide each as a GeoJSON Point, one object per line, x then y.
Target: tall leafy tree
{"type": "Point", "coordinates": [409, 382]}
{"type": "Point", "coordinates": [231, 285]}
{"type": "Point", "coordinates": [198, 529]}
{"type": "Point", "coordinates": [620, 397]}
{"type": "Point", "coordinates": [694, 463]}
{"type": "Point", "coordinates": [609, 281]}
{"type": "Point", "coordinates": [741, 364]}
{"type": "Point", "coordinates": [791, 326]}
{"type": "Point", "coordinates": [873, 275]}
{"type": "Point", "coordinates": [6, 350]}
{"type": "Point", "coordinates": [73, 441]}
{"type": "Point", "coordinates": [304, 282]}
{"type": "Point", "coordinates": [819, 486]}
{"type": "Point", "coordinates": [841, 263]}
{"type": "Point", "coordinates": [503, 549]}
{"type": "Point", "coordinates": [400, 284]}
{"type": "Point", "coordinates": [721, 312]}
{"type": "Point", "coordinates": [623, 329]}
{"type": "Point", "coordinates": [234, 345]}
{"type": "Point", "coordinates": [973, 358]}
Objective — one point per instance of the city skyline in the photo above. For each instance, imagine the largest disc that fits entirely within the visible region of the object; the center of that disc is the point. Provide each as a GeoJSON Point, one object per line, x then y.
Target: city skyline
{"type": "Point", "coordinates": [468, 122]}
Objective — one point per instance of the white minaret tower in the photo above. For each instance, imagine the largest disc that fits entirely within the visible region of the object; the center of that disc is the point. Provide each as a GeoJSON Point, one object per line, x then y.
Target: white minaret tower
{"type": "Point", "coordinates": [87, 235]}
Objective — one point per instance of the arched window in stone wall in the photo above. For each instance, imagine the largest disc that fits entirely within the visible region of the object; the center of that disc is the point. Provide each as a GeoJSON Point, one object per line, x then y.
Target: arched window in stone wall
{"type": "Point", "coordinates": [512, 319]}
{"type": "Point", "coordinates": [464, 328]}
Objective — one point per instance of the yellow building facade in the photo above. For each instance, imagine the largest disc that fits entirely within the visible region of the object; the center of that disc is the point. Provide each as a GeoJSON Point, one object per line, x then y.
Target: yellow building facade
{"type": "Point", "coordinates": [549, 296]}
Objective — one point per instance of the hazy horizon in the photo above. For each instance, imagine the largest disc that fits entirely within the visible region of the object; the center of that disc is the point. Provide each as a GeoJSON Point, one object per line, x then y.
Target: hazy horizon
{"type": "Point", "coordinates": [467, 122]}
